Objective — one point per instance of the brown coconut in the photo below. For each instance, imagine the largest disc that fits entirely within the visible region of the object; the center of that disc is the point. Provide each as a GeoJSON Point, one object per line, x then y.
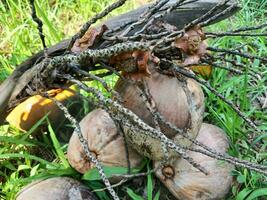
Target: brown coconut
{"type": "Point", "coordinates": [104, 141]}
{"type": "Point", "coordinates": [59, 188]}
{"type": "Point", "coordinates": [187, 183]}
{"type": "Point", "coordinates": [182, 105]}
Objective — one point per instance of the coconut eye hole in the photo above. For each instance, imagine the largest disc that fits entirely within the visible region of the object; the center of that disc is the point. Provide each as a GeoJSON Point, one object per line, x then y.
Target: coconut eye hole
{"type": "Point", "coordinates": [94, 154]}
{"type": "Point", "coordinates": [168, 172]}
{"type": "Point", "coordinates": [84, 156]}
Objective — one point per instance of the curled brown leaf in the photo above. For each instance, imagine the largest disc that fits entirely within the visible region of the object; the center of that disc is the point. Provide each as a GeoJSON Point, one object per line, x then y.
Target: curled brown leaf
{"type": "Point", "coordinates": [204, 70]}
{"type": "Point", "coordinates": [133, 65]}
{"type": "Point", "coordinates": [193, 45]}
{"type": "Point", "coordinates": [90, 38]}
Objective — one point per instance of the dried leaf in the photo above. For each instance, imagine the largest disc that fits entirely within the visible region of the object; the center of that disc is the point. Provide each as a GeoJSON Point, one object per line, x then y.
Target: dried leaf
{"type": "Point", "coordinates": [91, 36]}
{"type": "Point", "coordinates": [142, 58]}
{"type": "Point", "coordinates": [204, 70]}
{"type": "Point", "coordinates": [192, 44]}
{"type": "Point", "coordinates": [124, 62]}
{"type": "Point", "coordinates": [133, 65]}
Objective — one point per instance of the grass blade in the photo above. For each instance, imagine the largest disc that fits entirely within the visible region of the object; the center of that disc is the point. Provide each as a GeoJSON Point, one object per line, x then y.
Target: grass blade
{"type": "Point", "coordinates": [134, 196]}
{"type": "Point", "coordinates": [57, 147]}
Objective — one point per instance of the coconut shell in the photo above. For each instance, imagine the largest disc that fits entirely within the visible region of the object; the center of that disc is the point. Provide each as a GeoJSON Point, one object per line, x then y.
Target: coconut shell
{"type": "Point", "coordinates": [181, 105]}
{"type": "Point", "coordinates": [104, 141]}
{"type": "Point", "coordinates": [59, 188]}
{"type": "Point", "coordinates": [187, 183]}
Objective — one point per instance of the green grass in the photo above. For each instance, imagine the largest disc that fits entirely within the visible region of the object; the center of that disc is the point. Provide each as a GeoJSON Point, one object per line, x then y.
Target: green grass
{"type": "Point", "coordinates": [19, 39]}
{"type": "Point", "coordinates": [239, 90]}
